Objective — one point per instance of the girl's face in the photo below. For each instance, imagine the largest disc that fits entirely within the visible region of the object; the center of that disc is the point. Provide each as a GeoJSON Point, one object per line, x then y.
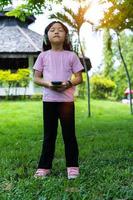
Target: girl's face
{"type": "Point", "coordinates": [56, 34]}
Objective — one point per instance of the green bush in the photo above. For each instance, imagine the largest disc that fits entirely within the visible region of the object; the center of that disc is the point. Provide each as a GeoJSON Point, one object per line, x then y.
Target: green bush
{"type": "Point", "coordinates": [101, 87]}
{"type": "Point", "coordinates": [13, 80]}
{"type": "Point", "coordinates": [4, 74]}
{"type": "Point", "coordinates": [81, 88]}
{"type": "Point", "coordinates": [24, 77]}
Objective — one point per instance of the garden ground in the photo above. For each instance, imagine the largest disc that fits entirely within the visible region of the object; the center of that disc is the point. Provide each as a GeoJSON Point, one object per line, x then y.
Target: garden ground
{"type": "Point", "coordinates": [106, 153]}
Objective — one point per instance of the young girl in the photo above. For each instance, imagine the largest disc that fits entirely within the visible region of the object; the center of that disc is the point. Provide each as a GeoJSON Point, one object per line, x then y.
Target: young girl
{"type": "Point", "coordinates": [56, 64]}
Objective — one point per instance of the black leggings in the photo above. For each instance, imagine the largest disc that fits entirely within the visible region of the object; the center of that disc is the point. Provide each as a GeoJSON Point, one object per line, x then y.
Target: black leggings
{"type": "Point", "coordinates": [52, 111]}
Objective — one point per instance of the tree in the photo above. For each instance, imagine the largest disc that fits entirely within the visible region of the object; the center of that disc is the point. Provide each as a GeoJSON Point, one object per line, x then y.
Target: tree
{"type": "Point", "coordinates": [119, 16]}
{"type": "Point", "coordinates": [76, 20]}
{"type": "Point", "coordinates": [4, 3]}
{"type": "Point", "coordinates": [28, 8]}
{"type": "Point", "coordinates": [119, 73]}
{"type": "Point", "coordinates": [108, 54]}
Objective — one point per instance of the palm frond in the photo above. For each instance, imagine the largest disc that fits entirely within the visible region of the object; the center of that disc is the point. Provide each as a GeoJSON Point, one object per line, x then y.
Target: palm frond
{"type": "Point", "coordinates": [73, 19]}
{"type": "Point", "coordinates": [63, 18]}
{"type": "Point", "coordinates": [79, 17]}
{"type": "Point", "coordinates": [70, 12]}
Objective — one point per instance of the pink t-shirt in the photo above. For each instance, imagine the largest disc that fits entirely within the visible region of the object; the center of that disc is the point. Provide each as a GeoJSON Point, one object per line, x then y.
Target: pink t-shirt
{"type": "Point", "coordinates": [58, 66]}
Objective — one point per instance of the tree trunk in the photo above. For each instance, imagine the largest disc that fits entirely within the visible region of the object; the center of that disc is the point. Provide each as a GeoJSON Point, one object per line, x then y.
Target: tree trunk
{"type": "Point", "coordinates": [87, 75]}
{"type": "Point", "coordinates": [127, 73]}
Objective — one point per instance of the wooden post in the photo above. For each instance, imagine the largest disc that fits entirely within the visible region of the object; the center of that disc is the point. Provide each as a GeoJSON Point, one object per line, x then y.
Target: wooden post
{"type": "Point", "coordinates": [30, 65]}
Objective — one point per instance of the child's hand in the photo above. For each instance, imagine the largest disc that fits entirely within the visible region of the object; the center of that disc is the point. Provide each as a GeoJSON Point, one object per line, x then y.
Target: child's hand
{"type": "Point", "coordinates": [65, 85]}
{"type": "Point", "coordinates": [49, 85]}
{"type": "Point", "coordinates": [59, 88]}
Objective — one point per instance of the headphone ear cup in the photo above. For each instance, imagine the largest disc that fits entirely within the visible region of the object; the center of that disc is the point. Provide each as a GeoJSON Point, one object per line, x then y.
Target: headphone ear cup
{"type": "Point", "coordinates": [45, 39]}
{"type": "Point", "coordinates": [68, 39]}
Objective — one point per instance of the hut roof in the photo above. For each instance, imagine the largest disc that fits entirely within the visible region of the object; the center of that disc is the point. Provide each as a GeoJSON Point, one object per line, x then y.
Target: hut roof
{"type": "Point", "coordinates": [17, 39]}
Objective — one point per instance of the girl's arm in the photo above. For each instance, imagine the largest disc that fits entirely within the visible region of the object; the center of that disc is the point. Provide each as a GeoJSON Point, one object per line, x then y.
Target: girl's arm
{"type": "Point", "coordinates": [65, 85]}
{"type": "Point", "coordinates": [39, 81]}
{"type": "Point", "coordinates": [77, 78]}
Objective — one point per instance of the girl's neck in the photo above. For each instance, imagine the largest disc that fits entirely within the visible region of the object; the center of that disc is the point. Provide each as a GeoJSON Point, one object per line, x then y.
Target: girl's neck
{"type": "Point", "coordinates": [57, 47]}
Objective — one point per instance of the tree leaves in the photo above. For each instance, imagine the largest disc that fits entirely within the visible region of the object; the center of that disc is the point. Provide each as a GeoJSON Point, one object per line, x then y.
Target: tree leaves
{"type": "Point", "coordinates": [4, 3]}
{"type": "Point", "coordinates": [118, 15]}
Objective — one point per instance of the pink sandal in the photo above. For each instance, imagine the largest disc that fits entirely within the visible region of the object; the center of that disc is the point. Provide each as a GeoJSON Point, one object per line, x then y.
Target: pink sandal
{"type": "Point", "coordinates": [72, 172]}
{"type": "Point", "coordinates": [42, 173]}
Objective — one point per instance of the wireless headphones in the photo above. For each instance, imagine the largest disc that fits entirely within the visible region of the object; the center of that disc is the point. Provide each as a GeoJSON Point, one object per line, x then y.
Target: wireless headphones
{"type": "Point", "coordinates": [45, 39]}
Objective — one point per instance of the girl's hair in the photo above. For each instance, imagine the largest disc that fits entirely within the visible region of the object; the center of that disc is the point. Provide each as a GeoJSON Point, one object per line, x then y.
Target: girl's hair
{"type": "Point", "coordinates": [46, 43]}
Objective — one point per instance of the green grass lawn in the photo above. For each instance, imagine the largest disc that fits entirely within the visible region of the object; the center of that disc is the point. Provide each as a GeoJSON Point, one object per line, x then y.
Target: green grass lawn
{"type": "Point", "coordinates": [106, 154]}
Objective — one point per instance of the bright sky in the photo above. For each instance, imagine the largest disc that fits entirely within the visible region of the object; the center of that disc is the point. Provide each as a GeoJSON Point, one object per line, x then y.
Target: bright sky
{"type": "Point", "coordinates": [93, 41]}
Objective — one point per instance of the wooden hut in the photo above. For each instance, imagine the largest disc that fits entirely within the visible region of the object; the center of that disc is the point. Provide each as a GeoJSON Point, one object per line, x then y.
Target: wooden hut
{"type": "Point", "coordinates": [19, 46]}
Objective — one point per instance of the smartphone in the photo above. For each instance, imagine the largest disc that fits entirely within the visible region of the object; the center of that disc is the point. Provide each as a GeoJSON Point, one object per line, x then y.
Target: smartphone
{"type": "Point", "coordinates": [56, 83]}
